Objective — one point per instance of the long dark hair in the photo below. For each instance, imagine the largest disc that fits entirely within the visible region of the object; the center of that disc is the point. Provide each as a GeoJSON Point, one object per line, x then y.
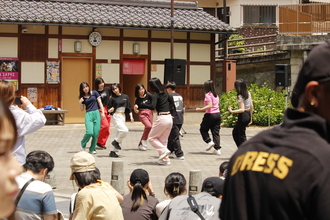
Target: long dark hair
{"type": "Point", "coordinates": [113, 86]}
{"type": "Point", "coordinates": [81, 89]}
{"type": "Point", "coordinates": [241, 88]}
{"type": "Point", "coordinates": [137, 88]}
{"type": "Point", "coordinates": [155, 85]}
{"type": "Point", "coordinates": [175, 184]}
{"type": "Point", "coordinates": [97, 82]}
{"type": "Point", "coordinates": [210, 87]}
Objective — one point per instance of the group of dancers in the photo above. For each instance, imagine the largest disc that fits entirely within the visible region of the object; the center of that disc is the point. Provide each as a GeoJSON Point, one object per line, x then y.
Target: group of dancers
{"type": "Point", "coordinates": [105, 104]}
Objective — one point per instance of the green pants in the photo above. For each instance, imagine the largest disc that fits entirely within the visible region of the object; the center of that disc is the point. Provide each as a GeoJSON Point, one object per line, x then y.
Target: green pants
{"type": "Point", "coordinates": [92, 125]}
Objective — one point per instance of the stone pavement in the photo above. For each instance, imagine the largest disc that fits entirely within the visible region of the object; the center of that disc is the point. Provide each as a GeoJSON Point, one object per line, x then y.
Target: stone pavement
{"type": "Point", "coordinates": [62, 142]}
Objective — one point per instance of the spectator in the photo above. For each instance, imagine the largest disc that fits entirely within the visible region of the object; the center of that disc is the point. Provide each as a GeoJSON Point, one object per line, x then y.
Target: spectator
{"type": "Point", "coordinates": [283, 173]}
{"type": "Point", "coordinates": [208, 202]}
{"type": "Point", "coordinates": [140, 203]}
{"type": "Point", "coordinates": [223, 169]}
{"type": "Point", "coordinates": [95, 200]}
{"type": "Point", "coordinates": [9, 167]}
{"type": "Point", "coordinates": [26, 121]}
{"type": "Point", "coordinates": [175, 185]}
{"type": "Point", "coordinates": [37, 201]}
{"type": "Point", "coordinates": [173, 143]}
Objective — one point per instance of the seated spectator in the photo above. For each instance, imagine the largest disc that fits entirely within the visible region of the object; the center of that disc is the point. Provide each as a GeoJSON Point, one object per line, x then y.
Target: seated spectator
{"type": "Point", "coordinates": [208, 202]}
{"type": "Point", "coordinates": [175, 185]}
{"type": "Point", "coordinates": [37, 201]}
{"type": "Point", "coordinates": [95, 200]}
{"type": "Point", "coordinates": [140, 203]}
{"type": "Point", "coordinates": [9, 167]}
{"type": "Point", "coordinates": [223, 169]}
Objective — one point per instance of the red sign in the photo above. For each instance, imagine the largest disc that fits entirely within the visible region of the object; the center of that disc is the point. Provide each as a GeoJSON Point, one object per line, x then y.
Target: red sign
{"type": "Point", "coordinates": [133, 66]}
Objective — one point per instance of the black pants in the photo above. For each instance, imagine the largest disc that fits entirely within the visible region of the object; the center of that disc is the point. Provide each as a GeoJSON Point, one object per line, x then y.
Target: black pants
{"type": "Point", "coordinates": [240, 127]}
{"type": "Point", "coordinates": [173, 143]}
{"type": "Point", "coordinates": [211, 121]}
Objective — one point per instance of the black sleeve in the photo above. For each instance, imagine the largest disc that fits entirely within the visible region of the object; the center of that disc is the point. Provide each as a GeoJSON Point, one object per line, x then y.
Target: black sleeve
{"type": "Point", "coordinates": [153, 103]}
{"type": "Point", "coordinates": [128, 108]}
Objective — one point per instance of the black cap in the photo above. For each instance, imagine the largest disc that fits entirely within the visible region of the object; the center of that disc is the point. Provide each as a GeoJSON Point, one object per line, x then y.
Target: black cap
{"type": "Point", "coordinates": [139, 175]}
{"type": "Point", "coordinates": [213, 185]}
{"type": "Point", "coordinates": [315, 68]}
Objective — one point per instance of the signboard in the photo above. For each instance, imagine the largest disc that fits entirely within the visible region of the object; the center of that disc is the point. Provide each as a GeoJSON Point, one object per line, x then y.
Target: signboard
{"type": "Point", "coordinates": [53, 71]}
{"type": "Point", "coordinates": [133, 66]}
{"type": "Point", "coordinates": [9, 70]}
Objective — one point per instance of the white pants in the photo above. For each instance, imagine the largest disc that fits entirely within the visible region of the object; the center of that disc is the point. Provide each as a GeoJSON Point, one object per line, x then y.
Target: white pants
{"type": "Point", "coordinates": [118, 120]}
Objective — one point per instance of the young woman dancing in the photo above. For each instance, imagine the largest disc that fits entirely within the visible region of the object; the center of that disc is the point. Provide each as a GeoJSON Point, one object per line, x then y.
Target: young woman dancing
{"type": "Point", "coordinates": [119, 105]}
{"type": "Point", "coordinates": [145, 115]}
{"type": "Point", "coordinates": [91, 101]}
{"type": "Point", "coordinates": [245, 110]}
{"type": "Point", "coordinates": [212, 119]}
{"type": "Point", "coordinates": [164, 105]}
{"type": "Point", "coordinates": [105, 94]}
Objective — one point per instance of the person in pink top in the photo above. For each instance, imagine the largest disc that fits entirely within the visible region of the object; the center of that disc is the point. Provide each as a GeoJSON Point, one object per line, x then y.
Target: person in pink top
{"type": "Point", "coordinates": [212, 119]}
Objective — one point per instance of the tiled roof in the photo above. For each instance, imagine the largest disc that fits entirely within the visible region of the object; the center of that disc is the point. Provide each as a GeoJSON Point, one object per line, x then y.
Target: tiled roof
{"type": "Point", "coordinates": [107, 15]}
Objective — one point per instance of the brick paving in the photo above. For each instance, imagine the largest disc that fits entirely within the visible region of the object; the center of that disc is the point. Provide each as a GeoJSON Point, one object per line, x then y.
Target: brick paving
{"type": "Point", "coordinates": [62, 142]}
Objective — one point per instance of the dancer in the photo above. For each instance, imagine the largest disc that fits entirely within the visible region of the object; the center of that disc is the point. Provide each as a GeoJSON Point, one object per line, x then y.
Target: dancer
{"type": "Point", "coordinates": [145, 115]}
{"type": "Point", "coordinates": [164, 105]}
{"type": "Point", "coordinates": [173, 143]}
{"type": "Point", "coordinates": [212, 119]}
{"type": "Point", "coordinates": [105, 93]}
{"type": "Point", "coordinates": [245, 110]}
{"type": "Point", "coordinates": [92, 101]}
{"type": "Point", "coordinates": [26, 121]}
{"type": "Point", "coordinates": [9, 167]}
{"type": "Point", "coordinates": [119, 105]}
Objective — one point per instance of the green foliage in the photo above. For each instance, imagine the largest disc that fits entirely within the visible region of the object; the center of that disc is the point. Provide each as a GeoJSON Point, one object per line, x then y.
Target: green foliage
{"type": "Point", "coordinates": [269, 106]}
{"type": "Point", "coordinates": [237, 43]}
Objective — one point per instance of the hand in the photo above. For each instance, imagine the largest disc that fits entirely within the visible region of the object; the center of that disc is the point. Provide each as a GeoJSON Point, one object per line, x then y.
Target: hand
{"type": "Point", "coordinates": [25, 101]}
{"type": "Point", "coordinates": [102, 115]}
{"type": "Point", "coordinates": [230, 108]}
{"type": "Point", "coordinates": [150, 189]}
{"type": "Point", "coordinates": [132, 119]}
{"type": "Point", "coordinates": [81, 100]}
{"type": "Point", "coordinates": [111, 109]}
{"type": "Point", "coordinates": [128, 183]}
{"type": "Point", "coordinates": [250, 121]}
{"type": "Point", "coordinates": [198, 109]}
{"type": "Point", "coordinates": [136, 109]}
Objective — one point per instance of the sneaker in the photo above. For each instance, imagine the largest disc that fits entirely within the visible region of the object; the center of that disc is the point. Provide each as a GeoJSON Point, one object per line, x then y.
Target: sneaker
{"type": "Point", "coordinates": [116, 144]}
{"type": "Point", "coordinates": [172, 155]}
{"type": "Point", "coordinates": [144, 143]}
{"type": "Point", "coordinates": [180, 158]}
{"type": "Point", "coordinates": [100, 146]}
{"type": "Point", "coordinates": [93, 152]}
{"type": "Point", "coordinates": [209, 145]}
{"type": "Point", "coordinates": [142, 148]}
{"type": "Point", "coordinates": [217, 152]}
{"type": "Point", "coordinates": [113, 154]}
{"type": "Point", "coordinates": [165, 154]}
{"type": "Point", "coordinates": [161, 162]}
{"type": "Point", "coordinates": [82, 148]}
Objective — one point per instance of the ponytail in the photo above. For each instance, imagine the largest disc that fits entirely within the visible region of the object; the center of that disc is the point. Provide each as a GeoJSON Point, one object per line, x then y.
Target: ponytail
{"type": "Point", "coordinates": [138, 196]}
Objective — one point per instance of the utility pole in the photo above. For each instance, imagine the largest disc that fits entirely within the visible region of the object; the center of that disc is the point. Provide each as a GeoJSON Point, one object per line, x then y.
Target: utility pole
{"type": "Point", "coordinates": [172, 29]}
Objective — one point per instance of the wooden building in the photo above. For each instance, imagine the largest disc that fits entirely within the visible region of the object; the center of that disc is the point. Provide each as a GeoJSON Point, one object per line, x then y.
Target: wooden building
{"type": "Point", "coordinates": [53, 46]}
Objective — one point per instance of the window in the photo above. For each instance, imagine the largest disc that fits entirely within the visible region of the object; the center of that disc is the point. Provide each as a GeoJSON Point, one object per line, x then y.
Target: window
{"type": "Point", "coordinates": [259, 15]}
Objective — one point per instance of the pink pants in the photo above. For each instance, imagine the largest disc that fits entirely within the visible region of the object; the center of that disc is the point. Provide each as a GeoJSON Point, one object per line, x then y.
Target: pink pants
{"type": "Point", "coordinates": [159, 133]}
{"type": "Point", "coordinates": [146, 117]}
{"type": "Point", "coordinates": [105, 127]}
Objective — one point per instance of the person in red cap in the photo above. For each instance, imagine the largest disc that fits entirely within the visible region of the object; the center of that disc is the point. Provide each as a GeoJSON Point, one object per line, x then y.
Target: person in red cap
{"type": "Point", "coordinates": [284, 173]}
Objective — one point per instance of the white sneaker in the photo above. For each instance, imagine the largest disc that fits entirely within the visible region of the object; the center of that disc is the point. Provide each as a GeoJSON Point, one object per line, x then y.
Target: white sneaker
{"type": "Point", "coordinates": [172, 155]}
{"type": "Point", "coordinates": [144, 143]}
{"type": "Point", "coordinates": [161, 162]}
{"type": "Point", "coordinates": [93, 152]}
{"type": "Point", "coordinates": [209, 145]}
{"type": "Point", "coordinates": [82, 148]}
{"type": "Point", "coordinates": [142, 148]}
{"type": "Point", "coordinates": [165, 154]}
{"type": "Point", "coordinates": [217, 152]}
{"type": "Point", "coordinates": [180, 158]}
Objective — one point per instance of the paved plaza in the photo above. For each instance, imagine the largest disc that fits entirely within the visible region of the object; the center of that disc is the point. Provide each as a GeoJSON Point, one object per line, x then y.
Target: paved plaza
{"type": "Point", "coordinates": [62, 142]}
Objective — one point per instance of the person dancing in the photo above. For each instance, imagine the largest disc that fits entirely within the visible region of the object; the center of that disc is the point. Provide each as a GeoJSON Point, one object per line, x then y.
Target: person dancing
{"type": "Point", "coordinates": [105, 94]}
{"type": "Point", "coordinates": [212, 119]}
{"type": "Point", "coordinates": [145, 115]}
{"type": "Point", "coordinates": [119, 105]}
{"type": "Point", "coordinates": [164, 105]}
{"type": "Point", "coordinates": [90, 100]}
{"type": "Point", "coordinates": [245, 110]}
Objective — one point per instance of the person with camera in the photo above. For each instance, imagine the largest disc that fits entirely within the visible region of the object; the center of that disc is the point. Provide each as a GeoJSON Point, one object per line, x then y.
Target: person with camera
{"type": "Point", "coordinates": [26, 121]}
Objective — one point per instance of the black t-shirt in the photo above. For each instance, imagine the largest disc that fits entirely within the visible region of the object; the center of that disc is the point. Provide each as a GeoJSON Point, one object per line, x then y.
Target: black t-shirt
{"type": "Point", "coordinates": [145, 100]}
{"type": "Point", "coordinates": [179, 105]}
{"type": "Point", "coordinates": [120, 101]}
{"type": "Point", "coordinates": [282, 173]}
{"type": "Point", "coordinates": [105, 95]}
{"type": "Point", "coordinates": [162, 102]}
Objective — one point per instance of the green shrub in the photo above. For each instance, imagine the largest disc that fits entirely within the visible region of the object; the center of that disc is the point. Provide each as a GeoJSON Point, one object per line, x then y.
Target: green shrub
{"type": "Point", "coordinates": [269, 106]}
